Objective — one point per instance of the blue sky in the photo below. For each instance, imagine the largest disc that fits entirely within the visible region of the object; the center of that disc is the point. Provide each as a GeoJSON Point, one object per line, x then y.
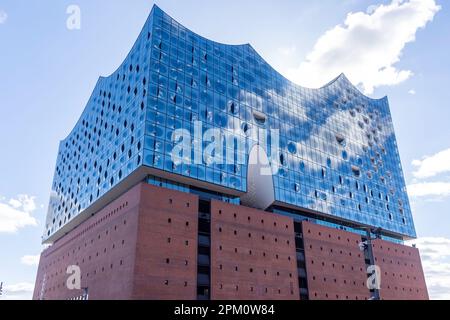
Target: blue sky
{"type": "Point", "coordinates": [47, 73]}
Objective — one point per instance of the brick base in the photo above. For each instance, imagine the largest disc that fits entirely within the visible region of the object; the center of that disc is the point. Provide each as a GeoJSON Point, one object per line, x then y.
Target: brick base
{"type": "Point", "coordinates": [143, 245]}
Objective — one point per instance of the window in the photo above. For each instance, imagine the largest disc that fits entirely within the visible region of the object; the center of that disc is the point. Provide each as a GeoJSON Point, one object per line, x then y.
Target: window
{"type": "Point", "coordinates": [292, 148]}
{"type": "Point", "coordinates": [340, 139]}
{"type": "Point", "coordinates": [282, 159]}
{"type": "Point", "coordinates": [344, 155]}
{"type": "Point", "coordinates": [259, 117]}
{"type": "Point", "coordinates": [357, 172]}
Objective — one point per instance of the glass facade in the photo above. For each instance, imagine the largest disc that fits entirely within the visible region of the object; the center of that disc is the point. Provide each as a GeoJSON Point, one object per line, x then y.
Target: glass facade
{"type": "Point", "coordinates": [337, 148]}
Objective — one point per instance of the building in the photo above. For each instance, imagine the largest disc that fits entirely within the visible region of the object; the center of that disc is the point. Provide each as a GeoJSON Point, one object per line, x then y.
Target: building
{"type": "Point", "coordinates": [196, 171]}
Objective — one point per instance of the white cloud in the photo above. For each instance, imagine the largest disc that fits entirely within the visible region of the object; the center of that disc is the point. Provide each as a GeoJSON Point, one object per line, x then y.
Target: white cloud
{"type": "Point", "coordinates": [412, 92]}
{"type": "Point", "coordinates": [367, 46]}
{"type": "Point", "coordinates": [432, 165]}
{"type": "Point", "coordinates": [435, 255]}
{"type": "Point", "coordinates": [3, 16]}
{"type": "Point", "coordinates": [426, 189]}
{"type": "Point", "coordinates": [30, 260]}
{"type": "Point", "coordinates": [18, 291]}
{"type": "Point", "coordinates": [16, 213]}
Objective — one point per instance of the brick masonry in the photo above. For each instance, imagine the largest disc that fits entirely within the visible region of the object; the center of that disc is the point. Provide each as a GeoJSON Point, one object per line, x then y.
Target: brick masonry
{"type": "Point", "coordinates": [166, 250]}
{"type": "Point", "coordinates": [124, 253]}
{"type": "Point", "coordinates": [143, 245]}
{"type": "Point", "coordinates": [253, 254]}
{"type": "Point", "coordinates": [335, 265]}
{"type": "Point", "coordinates": [402, 276]}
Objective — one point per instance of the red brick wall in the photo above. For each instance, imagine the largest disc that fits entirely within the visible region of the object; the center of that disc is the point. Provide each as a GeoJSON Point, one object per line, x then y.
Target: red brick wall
{"type": "Point", "coordinates": [144, 246]}
{"type": "Point", "coordinates": [260, 245]}
{"type": "Point", "coordinates": [335, 265]}
{"type": "Point", "coordinates": [166, 253]}
{"type": "Point", "coordinates": [402, 276]}
{"type": "Point", "coordinates": [103, 247]}
{"type": "Point", "coordinates": [122, 250]}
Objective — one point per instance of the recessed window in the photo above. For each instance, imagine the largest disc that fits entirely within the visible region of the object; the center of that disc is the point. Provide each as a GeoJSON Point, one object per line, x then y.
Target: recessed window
{"type": "Point", "coordinates": [344, 155]}
{"type": "Point", "coordinates": [246, 128]}
{"type": "Point", "coordinates": [340, 139]}
{"type": "Point", "coordinates": [292, 148]}
{"type": "Point", "coordinates": [283, 159]}
{"type": "Point", "coordinates": [259, 117]}
{"type": "Point", "coordinates": [356, 171]}
{"type": "Point", "coordinates": [302, 166]}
